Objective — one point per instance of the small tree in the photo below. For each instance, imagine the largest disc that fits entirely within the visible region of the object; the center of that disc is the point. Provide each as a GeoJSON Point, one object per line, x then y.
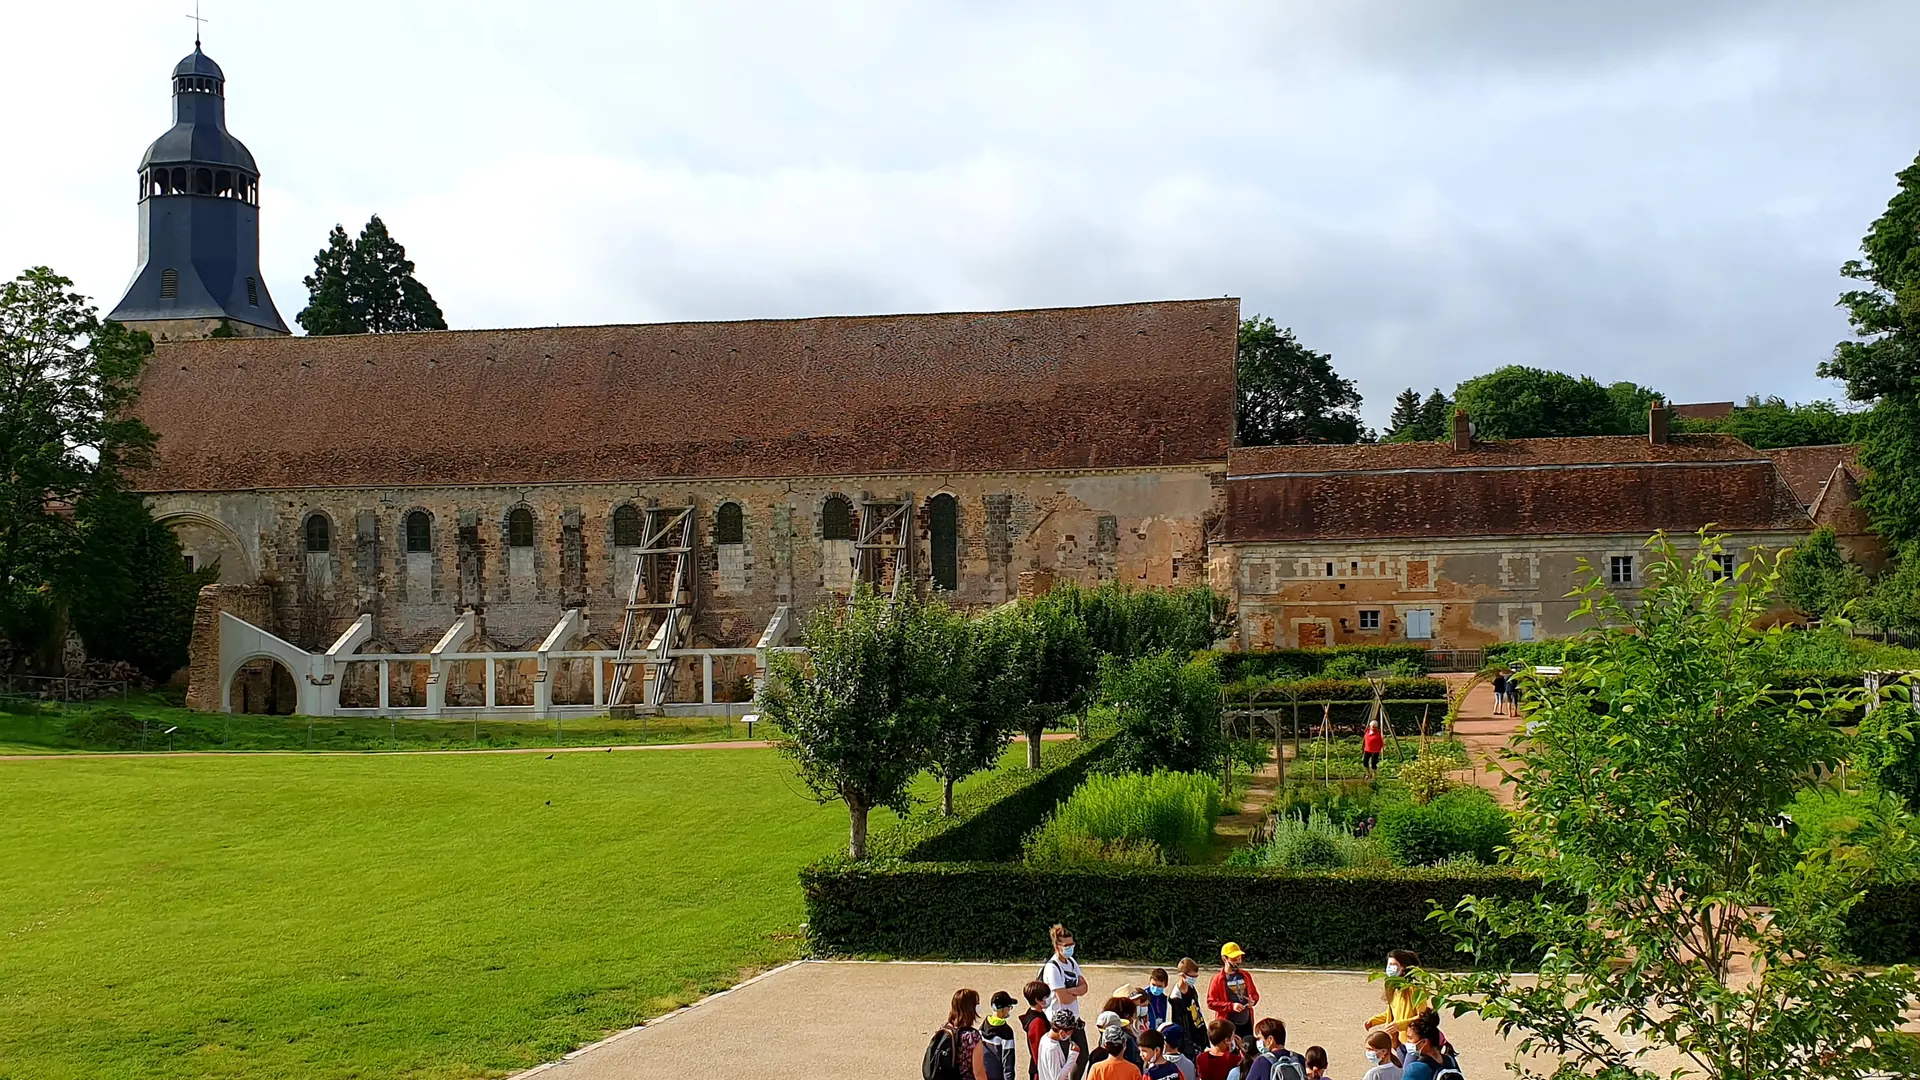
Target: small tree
{"type": "Point", "coordinates": [1894, 603]}
{"type": "Point", "coordinates": [858, 714]}
{"type": "Point", "coordinates": [1682, 917]}
{"type": "Point", "coordinates": [1817, 579]}
{"type": "Point", "coordinates": [1167, 713]}
{"type": "Point", "coordinates": [1405, 418]}
{"type": "Point", "coordinates": [972, 700]}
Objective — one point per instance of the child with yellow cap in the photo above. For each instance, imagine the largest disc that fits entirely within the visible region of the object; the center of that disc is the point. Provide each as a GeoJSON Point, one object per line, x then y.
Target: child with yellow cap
{"type": "Point", "coordinates": [1232, 994]}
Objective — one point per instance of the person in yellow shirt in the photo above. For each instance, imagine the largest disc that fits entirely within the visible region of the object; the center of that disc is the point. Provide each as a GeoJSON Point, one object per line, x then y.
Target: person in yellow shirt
{"type": "Point", "coordinates": [1404, 1002]}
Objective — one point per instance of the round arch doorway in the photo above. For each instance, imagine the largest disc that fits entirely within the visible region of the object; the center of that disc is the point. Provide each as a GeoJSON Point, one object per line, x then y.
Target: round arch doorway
{"type": "Point", "coordinates": [264, 687]}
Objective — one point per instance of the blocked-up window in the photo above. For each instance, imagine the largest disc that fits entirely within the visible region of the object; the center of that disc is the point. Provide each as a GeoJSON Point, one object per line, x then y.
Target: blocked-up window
{"type": "Point", "coordinates": [730, 525]}
{"type": "Point", "coordinates": [1620, 570]}
{"type": "Point", "coordinates": [943, 514]}
{"type": "Point", "coordinates": [836, 519]}
{"type": "Point", "coordinates": [419, 531]}
{"type": "Point", "coordinates": [319, 536]}
{"type": "Point", "coordinates": [626, 526]}
{"type": "Point", "coordinates": [520, 527]}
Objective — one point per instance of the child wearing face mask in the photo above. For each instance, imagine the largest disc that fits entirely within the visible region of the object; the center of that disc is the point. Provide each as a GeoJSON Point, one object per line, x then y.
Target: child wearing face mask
{"type": "Point", "coordinates": [1158, 1009]}
{"type": "Point", "coordinates": [998, 1037]}
{"type": "Point", "coordinates": [1185, 1010]}
{"type": "Point", "coordinates": [1382, 1058]}
{"type": "Point", "coordinates": [1059, 1057]}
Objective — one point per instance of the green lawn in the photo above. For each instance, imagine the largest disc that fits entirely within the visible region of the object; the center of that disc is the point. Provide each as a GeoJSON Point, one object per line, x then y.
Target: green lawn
{"type": "Point", "coordinates": [29, 728]}
{"type": "Point", "coordinates": [381, 916]}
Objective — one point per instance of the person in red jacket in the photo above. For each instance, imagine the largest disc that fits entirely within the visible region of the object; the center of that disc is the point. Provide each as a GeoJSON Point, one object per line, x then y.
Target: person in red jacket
{"type": "Point", "coordinates": [1231, 995]}
{"type": "Point", "coordinates": [1370, 746]}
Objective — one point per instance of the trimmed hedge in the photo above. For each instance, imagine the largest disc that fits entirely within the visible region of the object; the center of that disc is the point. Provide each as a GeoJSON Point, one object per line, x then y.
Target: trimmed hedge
{"type": "Point", "coordinates": [1308, 663]}
{"type": "Point", "coordinates": [1001, 911]}
{"type": "Point", "coordinates": [991, 817]}
{"type": "Point", "coordinates": [1885, 927]}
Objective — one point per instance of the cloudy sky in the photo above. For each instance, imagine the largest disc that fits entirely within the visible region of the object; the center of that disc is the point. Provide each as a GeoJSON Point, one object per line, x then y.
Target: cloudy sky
{"type": "Point", "coordinates": [1426, 189]}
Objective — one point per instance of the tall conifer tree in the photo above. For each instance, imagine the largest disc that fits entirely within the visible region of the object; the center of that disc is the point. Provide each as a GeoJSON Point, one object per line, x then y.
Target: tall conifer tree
{"type": "Point", "coordinates": [366, 286]}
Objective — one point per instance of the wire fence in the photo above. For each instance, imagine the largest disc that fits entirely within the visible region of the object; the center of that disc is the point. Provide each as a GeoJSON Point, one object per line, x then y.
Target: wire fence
{"type": "Point", "coordinates": [66, 688]}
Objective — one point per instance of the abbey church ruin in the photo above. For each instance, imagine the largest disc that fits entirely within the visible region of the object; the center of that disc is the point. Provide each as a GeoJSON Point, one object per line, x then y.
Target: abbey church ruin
{"type": "Point", "coordinates": [532, 521]}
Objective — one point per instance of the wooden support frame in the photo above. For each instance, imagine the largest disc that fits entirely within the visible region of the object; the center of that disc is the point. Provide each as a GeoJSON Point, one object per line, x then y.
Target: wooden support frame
{"type": "Point", "coordinates": [656, 618]}
{"type": "Point", "coordinates": [883, 543]}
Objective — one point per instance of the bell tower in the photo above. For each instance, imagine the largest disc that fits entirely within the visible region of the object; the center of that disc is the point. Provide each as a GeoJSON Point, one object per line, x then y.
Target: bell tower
{"type": "Point", "coordinates": [199, 222]}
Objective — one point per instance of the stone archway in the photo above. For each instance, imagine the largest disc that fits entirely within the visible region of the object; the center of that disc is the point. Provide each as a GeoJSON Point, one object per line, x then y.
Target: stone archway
{"type": "Point", "coordinates": [206, 539]}
{"type": "Point", "coordinates": [264, 686]}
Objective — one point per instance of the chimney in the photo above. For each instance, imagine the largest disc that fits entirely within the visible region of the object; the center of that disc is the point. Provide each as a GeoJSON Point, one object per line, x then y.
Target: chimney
{"type": "Point", "coordinates": [1462, 430]}
{"type": "Point", "coordinates": [1658, 417]}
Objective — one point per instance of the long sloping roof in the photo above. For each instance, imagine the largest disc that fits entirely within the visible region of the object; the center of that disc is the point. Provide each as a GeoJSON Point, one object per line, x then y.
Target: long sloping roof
{"type": "Point", "coordinates": [1608, 484]}
{"type": "Point", "coordinates": [1122, 386]}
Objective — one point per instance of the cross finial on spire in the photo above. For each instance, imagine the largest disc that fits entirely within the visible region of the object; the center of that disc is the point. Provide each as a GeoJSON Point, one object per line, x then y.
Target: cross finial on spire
{"type": "Point", "coordinates": [197, 21]}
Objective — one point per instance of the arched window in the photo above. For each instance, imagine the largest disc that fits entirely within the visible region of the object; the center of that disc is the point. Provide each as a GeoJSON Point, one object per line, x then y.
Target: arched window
{"type": "Point", "coordinates": [730, 525]}
{"type": "Point", "coordinates": [943, 526]}
{"type": "Point", "coordinates": [203, 181]}
{"type": "Point", "coordinates": [179, 182]}
{"type": "Point", "coordinates": [169, 283]}
{"type": "Point", "coordinates": [419, 532]}
{"type": "Point", "coordinates": [319, 535]}
{"type": "Point", "coordinates": [520, 527]}
{"type": "Point", "coordinates": [223, 183]}
{"type": "Point", "coordinates": [626, 526]}
{"type": "Point", "coordinates": [836, 519]}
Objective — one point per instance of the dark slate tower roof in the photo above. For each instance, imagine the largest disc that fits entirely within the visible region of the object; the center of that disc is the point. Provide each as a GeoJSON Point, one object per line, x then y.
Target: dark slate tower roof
{"type": "Point", "coordinates": [199, 215]}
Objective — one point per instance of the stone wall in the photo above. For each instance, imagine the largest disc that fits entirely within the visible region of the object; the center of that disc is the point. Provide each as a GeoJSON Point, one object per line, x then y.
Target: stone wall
{"type": "Point", "coordinates": [1466, 593]}
{"type": "Point", "coordinates": [254, 603]}
{"type": "Point", "coordinates": [1145, 526]}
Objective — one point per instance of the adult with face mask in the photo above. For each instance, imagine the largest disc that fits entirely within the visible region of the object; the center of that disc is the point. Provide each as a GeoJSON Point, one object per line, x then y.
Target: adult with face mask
{"type": "Point", "coordinates": [1232, 995]}
{"type": "Point", "coordinates": [1404, 1002]}
{"type": "Point", "coordinates": [1062, 975]}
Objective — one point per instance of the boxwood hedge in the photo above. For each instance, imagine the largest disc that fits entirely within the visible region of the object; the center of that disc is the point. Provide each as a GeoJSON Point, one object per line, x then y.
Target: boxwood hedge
{"type": "Point", "coordinates": [1308, 663]}
{"type": "Point", "coordinates": [1885, 927]}
{"type": "Point", "coordinates": [991, 817]}
{"type": "Point", "coordinates": [1001, 911]}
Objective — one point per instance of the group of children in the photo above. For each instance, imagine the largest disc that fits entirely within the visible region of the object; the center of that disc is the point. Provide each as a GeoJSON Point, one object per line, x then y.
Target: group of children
{"type": "Point", "coordinates": [1169, 1029]}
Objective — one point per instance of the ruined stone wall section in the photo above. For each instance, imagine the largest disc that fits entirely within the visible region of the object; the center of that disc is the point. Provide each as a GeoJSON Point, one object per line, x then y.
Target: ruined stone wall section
{"type": "Point", "coordinates": [1472, 592]}
{"type": "Point", "coordinates": [254, 603]}
{"type": "Point", "coordinates": [1147, 527]}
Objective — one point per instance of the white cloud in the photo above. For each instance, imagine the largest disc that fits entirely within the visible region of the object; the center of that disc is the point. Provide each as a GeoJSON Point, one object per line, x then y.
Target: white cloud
{"type": "Point", "coordinates": [1425, 189]}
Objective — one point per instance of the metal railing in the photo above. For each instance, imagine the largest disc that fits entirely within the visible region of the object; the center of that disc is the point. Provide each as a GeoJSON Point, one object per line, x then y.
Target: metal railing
{"type": "Point", "coordinates": [65, 688]}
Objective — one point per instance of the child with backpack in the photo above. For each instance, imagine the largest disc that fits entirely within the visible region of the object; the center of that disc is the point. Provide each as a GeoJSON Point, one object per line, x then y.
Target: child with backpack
{"type": "Point", "coordinates": [1159, 1007]}
{"type": "Point", "coordinates": [1431, 1058]}
{"type": "Point", "coordinates": [1185, 1009]}
{"type": "Point", "coordinates": [955, 1051]}
{"type": "Point", "coordinates": [1274, 1061]}
{"type": "Point", "coordinates": [1034, 1022]}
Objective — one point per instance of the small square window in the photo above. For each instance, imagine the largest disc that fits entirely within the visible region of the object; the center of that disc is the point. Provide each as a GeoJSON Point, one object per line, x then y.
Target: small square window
{"type": "Point", "coordinates": [1620, 571]}
{"type": "Point", "coordinates": [1370, 620]}
{"type": "Point", "coordinates": [1723, 566]}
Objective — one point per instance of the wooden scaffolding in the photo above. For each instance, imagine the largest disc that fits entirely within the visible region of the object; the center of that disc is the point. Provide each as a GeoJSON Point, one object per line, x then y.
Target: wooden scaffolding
{"type": "Point", "coordinates": [659, 607]}
{"type": "Point", "coordinates": [883, 544]}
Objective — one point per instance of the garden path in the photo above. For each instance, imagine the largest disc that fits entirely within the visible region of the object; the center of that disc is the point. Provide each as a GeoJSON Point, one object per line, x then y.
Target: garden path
{"type": "Point", "coordinates": [857, 1020]}
{"type": "Point", "coordinates": [1232, 831]}
{"type": "Point", "coordinates": [1486, 736]}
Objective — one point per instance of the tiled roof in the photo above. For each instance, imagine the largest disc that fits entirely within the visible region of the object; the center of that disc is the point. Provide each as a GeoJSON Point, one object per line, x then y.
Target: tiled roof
{"type": "Point", "coordinates": [1530, 487]}
{"type": "Point", "coordinates": [1122, 386]}
{"type": "Point", "coordinates": [1808, 468]}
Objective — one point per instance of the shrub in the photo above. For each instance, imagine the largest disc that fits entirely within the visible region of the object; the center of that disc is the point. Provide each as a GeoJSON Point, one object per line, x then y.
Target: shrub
{"type": "Point", "coordinates": [115, 729]}
{"type": "Point", "coordinates": [1166, 713]}
{"type": "Point", "coordinates": [1000, 911]}
{"type": "Point", "coordinates": [1427, 778]}
{"type": "Point", "coordinates": [1888, 750]}
{"type": "Point", "coordinates": [1343, 802]}
{"type": "Point", "coordinates": [1317, 843]}
{"type": "Point", "coordinates": [1464, 822]}
{"type": "Point", "coordinates": [1171, 812]}
{"type": "Point", "coordinates": [1872, 821]}
{"type": "Point", "coordinates": [1312, 663]}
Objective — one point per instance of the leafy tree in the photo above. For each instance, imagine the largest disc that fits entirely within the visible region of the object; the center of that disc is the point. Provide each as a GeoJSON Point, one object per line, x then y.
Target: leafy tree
{"type": "Point", "coordinates": [1042, 648]}
{"type": "Point", "coordinates": [972, 700]}
{"type": "Point", "coordinates": [1889, 750]}
{"type": "Point", "coordinates": [1631, 402]}
{"type": "Point", "coordinates": [67, 380]}
{"type": "Point", "coordinates": [366, 286]}
{"type": "Point", "coordinates": [1890, 455]}
{"type": "Point", "coordinates": [1679, 916]}
{"type": "Point", "coordinates": [132, 597]}
{"type": "Point", "coordinates": [1289, 393]}
{"type": "Point", "coordinates": [1767, 423]}
{"type": "Point", "coordinates": [858, 714]}
{"type": "Point", "coordinates": [1405, 418]}
{"type": "Point", "coordinates": [1885, 315]}
{"type": "Point", "coordinates": [1894, 603]}
{"type": "Point", "coordinates": [1817, 579]}
{"type": "Point", "coordinates": [1518, 402]}
{"type": "Point", "coordinates": [1167, 713]}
